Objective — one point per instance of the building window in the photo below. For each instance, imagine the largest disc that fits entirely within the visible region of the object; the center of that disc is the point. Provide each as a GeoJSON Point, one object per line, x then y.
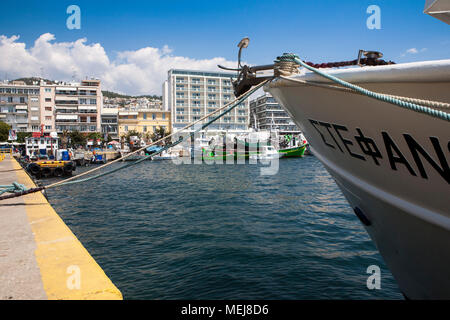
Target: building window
{"type": "Point", "coordinates": [48, 90]}
{"type": "Point", "coordinates": [48, 99]}
{"type": "Point", "coordinates": [153, 116]}
{"type": "Point", "coordinates": [22, 99]}
{"type": "Point", "coordinates": [164, 116]}
{"type": "Point", "coordinates": [145, 117]}
{"type": "Point", "coordinates": [48, 127]}
{"type": "Point", "coordinates": [145, 128]}
{"type": "Point", "coordinates": [126, 128]}
{"type": "Point", "coordinates": [48, 118]}
{"type": "Point", "coordinates": [48, 108]}
{"type": "Point", "coordinates": [154, 128]}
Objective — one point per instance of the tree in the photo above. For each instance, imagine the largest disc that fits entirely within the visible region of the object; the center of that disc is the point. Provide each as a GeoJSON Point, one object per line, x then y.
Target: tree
{"type": "Point", "coordinates": [77, 138]}
{"type": "Point", "coordinates": [132, 133]}
{"type": "Point", "coordinates": [4, 131]}
{"type": "Point", "coordinates": [95, 136]}
{"type": "Point", "coordinates": [160, 133]}
{"type": "Point", "coordinates": [64, 139]}
{"type": "Point", "coordinates": [22, 135]}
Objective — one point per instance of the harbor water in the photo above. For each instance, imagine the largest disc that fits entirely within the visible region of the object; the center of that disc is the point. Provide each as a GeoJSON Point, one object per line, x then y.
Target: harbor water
{"type": "Point", "coordinates": [166, 231]}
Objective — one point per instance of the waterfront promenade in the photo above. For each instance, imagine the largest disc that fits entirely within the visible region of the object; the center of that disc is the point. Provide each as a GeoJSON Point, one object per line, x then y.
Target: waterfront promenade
{"type": "Point", "coordinates": [40, 257]}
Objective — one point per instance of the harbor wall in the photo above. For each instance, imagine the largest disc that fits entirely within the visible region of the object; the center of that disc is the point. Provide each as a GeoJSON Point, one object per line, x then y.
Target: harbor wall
{"type": "Point", "coordinates": [52, 262]}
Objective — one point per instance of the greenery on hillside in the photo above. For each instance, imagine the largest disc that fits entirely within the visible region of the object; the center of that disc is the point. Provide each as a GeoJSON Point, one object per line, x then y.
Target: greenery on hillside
{"type": "Point", "coordinates": [109, 94]}
{"type": "Point", "coordinates": [29, 81]}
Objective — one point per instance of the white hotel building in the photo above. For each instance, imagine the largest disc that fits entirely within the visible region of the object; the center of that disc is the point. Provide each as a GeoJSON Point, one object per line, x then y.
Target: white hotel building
{"type": "Point", "coordinates": [190, 95]}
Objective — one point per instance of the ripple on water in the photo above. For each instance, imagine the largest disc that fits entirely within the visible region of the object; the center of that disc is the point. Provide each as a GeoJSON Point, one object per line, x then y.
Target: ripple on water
{"type": "Point", "coordinates": [166, 231]}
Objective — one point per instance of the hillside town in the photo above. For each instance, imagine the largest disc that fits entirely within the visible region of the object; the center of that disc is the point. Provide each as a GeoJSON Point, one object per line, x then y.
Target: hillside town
{"type": "Point", "coordinates": [82, 114]}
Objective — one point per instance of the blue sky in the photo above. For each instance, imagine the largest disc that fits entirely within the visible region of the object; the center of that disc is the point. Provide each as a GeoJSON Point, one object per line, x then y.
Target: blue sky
{"type": "Point", "coordinates": [319, 31]}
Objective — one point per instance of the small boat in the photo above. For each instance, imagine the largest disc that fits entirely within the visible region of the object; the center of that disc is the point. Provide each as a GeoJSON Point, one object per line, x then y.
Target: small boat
{"type": "Point", "coordinates": [297, 148]}
{"type": "Point", "coordinates": [51, 168]}
{"type": "Point", "coordinates": [267, 153]}
{"type": "Point", "coordinates": [98, 159]}
{"type": "Point", "coordinates": [164, 156]}
{"type": "Point", "coordinates": [294, 152]}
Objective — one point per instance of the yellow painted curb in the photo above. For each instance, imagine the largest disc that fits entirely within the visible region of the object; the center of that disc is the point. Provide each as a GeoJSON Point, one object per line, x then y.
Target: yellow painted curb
{"type": "Point", "coordinates": [68, 271]}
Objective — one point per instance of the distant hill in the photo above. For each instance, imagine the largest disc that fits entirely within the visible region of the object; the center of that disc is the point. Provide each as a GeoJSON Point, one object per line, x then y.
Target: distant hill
{"type": "Point", "coordinates": [109, 94]}
{"type": "Point", "coordinates": [30, 80]}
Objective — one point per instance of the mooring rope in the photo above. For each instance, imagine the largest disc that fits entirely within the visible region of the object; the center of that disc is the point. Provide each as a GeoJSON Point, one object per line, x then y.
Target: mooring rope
{"type": "Point", "coordinates": [14, 187]}
{"type": "Point", "coordinates": [428, 103]}
{"type": "Point", "coordinates": [293, 58]}
{"type": "Point", "coordinates": [228, 107]}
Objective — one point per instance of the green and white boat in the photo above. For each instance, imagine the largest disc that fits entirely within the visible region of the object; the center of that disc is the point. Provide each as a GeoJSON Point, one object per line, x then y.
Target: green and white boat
{"type": "Point", "coordinates": [296, 147]}
{"type": "Point", "coordinates": [294, 152]}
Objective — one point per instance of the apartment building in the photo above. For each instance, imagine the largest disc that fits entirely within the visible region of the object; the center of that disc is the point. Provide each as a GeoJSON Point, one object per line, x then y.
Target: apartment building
{"type": "Point", "coordinates": [20, 106]}
{"type": "Point", "coordinates": [109, 121]}
{"type": "Point", "coordinates": [143, 120]}
{"type": "Point", "coordinates": [267, 114]}
{"type": "Point", "coordinates": [190, 95]}
{"type": "Point", "coordinates": [72, 107]}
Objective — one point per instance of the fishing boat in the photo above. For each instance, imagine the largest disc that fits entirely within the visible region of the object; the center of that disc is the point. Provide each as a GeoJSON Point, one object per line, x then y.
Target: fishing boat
{"type": "Point", "coordinates": [296, 147]}
{"type": "Point", "coordinates": [267, 153]}
{"type": "Point", "coordinates": [386, 143]}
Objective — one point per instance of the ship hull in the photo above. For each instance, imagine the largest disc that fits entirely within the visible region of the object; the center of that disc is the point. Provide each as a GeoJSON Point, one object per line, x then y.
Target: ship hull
{"type": "Point", "coordinates": [391, 164]}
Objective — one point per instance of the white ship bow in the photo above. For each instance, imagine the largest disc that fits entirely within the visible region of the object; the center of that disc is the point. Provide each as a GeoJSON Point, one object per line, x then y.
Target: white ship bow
{"type": "Point", "coordinates": [391, 163]}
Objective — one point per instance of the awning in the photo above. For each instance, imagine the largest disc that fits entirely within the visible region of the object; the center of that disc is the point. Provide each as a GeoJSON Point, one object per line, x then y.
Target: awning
{"type": "Point", "coordinates": [439, 9]}
{"type": "Point", "coordinates": [87, 108]}
{"type": "Point", "coordinates": [66, 88]}
{"type": "Point", "coordinates": [128, 113]}
{"type": "Point", "coordinates": [66, 117]}
{"type": "Point", "coordinates": [66, 99]}
{"type": "Point", "coordinates": [67, 107]}
{"type": "Point", "coordinates": [21, 107]}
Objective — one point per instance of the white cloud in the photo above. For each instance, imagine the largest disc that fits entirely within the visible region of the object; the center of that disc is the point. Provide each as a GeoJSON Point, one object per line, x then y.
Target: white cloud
{"type": "Point", "coordinates": [413, 51]}
{"type": "Point", "coordinates": [133, 72]}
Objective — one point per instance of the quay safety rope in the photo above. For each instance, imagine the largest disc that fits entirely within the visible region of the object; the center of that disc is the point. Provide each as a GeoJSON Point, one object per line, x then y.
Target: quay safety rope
{"type": "Point", "coordinates": [18, 191]}
{"type": "Point", "coordinates": [290, 57]}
